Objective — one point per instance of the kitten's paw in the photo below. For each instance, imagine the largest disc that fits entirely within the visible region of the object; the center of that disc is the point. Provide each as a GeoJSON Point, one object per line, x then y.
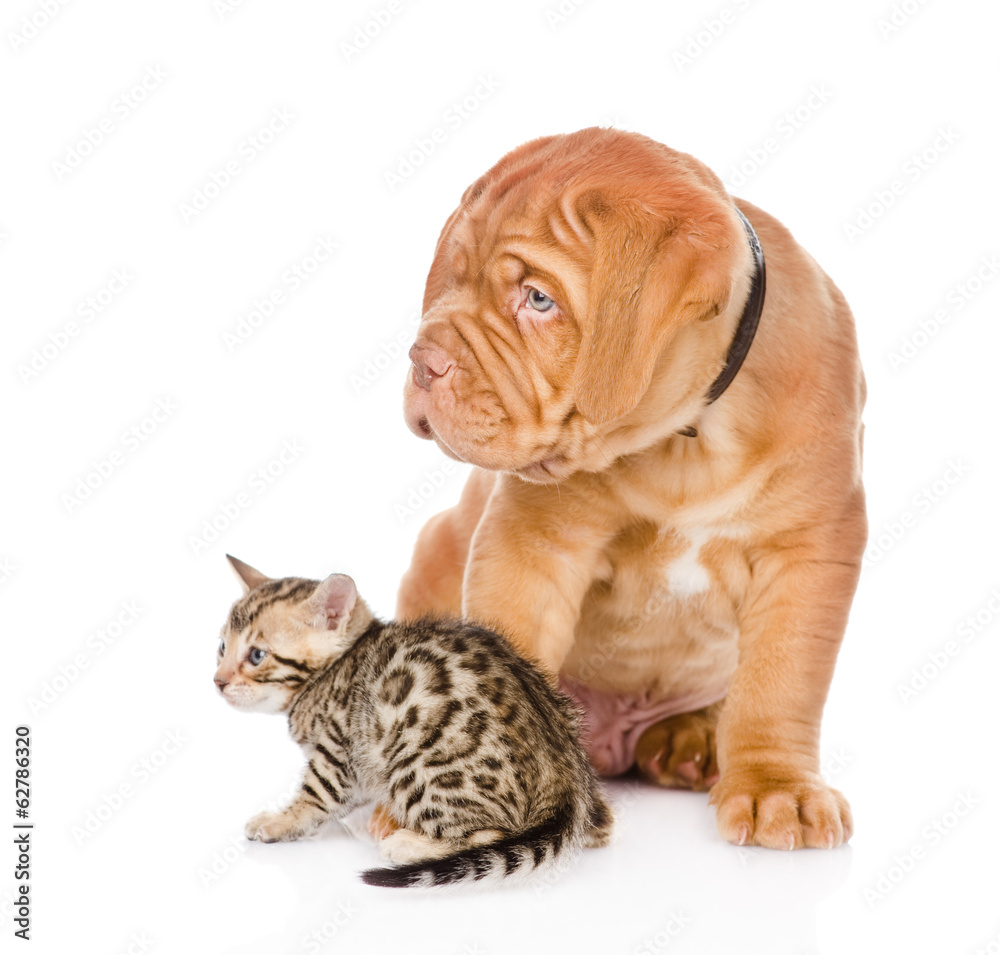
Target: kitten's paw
{"type": "Point", "coordinates": [679, 752]}
{"type": "Point", "coordinates": [274, 827]}
{"type": "Point", "coordinates": [760, 808]}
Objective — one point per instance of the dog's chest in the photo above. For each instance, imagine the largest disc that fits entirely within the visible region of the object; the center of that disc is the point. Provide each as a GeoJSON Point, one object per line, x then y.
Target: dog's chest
{"type": "Point", "coordinates": [664, 619]}
{"type": "Point", "coordinates": [684, 574]}
{"type": "Point", "coordinates": [675, 564]}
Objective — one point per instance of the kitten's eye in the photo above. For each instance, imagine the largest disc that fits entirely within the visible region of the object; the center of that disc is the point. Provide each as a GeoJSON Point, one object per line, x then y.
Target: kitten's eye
{"type": "Point", "coordinates": [539, 301]}
{"type": "Point", "coordinates": [222, 647]}
{"type": "Point", "coordinates": [256, 655]}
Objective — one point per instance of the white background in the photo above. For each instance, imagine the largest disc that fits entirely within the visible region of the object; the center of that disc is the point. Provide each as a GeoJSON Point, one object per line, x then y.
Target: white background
{"type": "Point", "coordinates": [163, 866]}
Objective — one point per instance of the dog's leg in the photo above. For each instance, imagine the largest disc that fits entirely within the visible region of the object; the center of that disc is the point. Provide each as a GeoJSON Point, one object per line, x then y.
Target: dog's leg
{"type": "Point", "coordinates": [679, 752]}
{"type": "Point", "coordinates": [530, 567]}
{"type": "Point", "coordinates": [770, 792]}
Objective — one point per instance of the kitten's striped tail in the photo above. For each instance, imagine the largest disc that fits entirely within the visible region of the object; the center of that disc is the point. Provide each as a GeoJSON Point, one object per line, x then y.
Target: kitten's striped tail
{"type": "Point", "coordinates": [523, 853]}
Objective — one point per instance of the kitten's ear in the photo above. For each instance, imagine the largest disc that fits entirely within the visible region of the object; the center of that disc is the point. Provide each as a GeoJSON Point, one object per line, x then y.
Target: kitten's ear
{"type": "Point", "coordinates": [249, 578]}
{"type": "Point", "coordinates": [334, 600]}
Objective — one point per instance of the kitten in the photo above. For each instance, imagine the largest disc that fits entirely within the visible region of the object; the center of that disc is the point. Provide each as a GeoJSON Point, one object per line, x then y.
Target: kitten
{"type": "Point", "coordinates": [441, 722]}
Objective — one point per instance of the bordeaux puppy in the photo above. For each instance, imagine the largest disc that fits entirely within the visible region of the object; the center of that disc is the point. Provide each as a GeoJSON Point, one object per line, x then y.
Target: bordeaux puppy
{"type": "Point", "coordinates": [679, 542]}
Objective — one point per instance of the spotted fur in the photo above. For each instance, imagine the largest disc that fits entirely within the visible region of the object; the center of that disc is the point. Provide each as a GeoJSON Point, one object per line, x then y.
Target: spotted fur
{"type": "Point", "coordinates": [441, 722]}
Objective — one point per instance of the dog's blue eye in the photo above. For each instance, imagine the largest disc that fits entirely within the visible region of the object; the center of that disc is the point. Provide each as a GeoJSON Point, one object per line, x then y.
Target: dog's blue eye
{"type": "Point", "coordinates": [538, 301]}
{"type": "Point", "coordinates": [256, 655]}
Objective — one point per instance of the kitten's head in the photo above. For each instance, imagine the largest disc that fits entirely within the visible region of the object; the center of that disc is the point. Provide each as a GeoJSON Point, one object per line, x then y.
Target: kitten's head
{"type": "Point", "coordinates": [280, 633]}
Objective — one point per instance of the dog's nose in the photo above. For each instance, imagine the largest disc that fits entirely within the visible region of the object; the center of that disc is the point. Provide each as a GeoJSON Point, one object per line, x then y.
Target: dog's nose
{"type": "Point", "coordinates": [429, 362]}
{"type": "Point", "coordinates": [221, 684]}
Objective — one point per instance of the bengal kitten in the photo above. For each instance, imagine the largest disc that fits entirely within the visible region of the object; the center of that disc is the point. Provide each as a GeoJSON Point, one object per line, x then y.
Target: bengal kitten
{"type": "Point", "coordinates": [440, 721]}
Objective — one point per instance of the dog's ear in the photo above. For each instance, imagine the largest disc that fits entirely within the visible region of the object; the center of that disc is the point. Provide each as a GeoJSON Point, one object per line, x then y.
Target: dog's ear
{"type": "Point", "coordinates": [653, 273]}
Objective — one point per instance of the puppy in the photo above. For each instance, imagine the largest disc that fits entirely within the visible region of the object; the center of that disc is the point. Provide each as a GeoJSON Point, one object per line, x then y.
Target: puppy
{"type": "Point", "coordinates": [661, 393]}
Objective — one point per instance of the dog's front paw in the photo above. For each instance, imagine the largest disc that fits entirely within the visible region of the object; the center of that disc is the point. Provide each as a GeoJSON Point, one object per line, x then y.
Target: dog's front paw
{"type": "Point", "coordinates": [780, 811]}
{"type": "Point", "coordinates": [273, 827]}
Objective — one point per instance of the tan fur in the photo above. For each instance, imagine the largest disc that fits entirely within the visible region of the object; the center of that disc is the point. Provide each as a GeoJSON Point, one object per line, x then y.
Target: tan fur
{"type": "Point", "coordinates": [573, 550]}
{"type": "Point", "coordinates": [679, 752]}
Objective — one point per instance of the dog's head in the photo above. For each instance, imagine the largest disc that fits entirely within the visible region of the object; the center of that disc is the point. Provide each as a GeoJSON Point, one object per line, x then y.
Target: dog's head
{"type": "Point", "coordinates": [580, 303]}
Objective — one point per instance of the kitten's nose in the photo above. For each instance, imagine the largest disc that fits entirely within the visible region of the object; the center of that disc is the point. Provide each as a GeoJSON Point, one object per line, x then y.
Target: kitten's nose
{"type": "Point", "coordinates": [221, 684]}
{"type": "Point", "coordinates": [429, 362]}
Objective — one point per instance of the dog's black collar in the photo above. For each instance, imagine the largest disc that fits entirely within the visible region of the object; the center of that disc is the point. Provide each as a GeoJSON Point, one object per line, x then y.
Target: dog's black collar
{"type": "Point", "coordinates": [747, 327]}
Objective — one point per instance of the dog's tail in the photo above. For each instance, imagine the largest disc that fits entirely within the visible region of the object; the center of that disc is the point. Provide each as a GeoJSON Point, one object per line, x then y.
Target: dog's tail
{"type": "Point", "coordinates": [547, 845]}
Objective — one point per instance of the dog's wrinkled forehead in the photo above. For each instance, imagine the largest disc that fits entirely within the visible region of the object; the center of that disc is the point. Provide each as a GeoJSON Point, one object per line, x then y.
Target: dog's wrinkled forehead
{"type": "Point", "coordinates": [553, 198]}
{"type": "Point", "coordinates": [488, 247]}
{"type": "Point", "coordinates": [527, 198]}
